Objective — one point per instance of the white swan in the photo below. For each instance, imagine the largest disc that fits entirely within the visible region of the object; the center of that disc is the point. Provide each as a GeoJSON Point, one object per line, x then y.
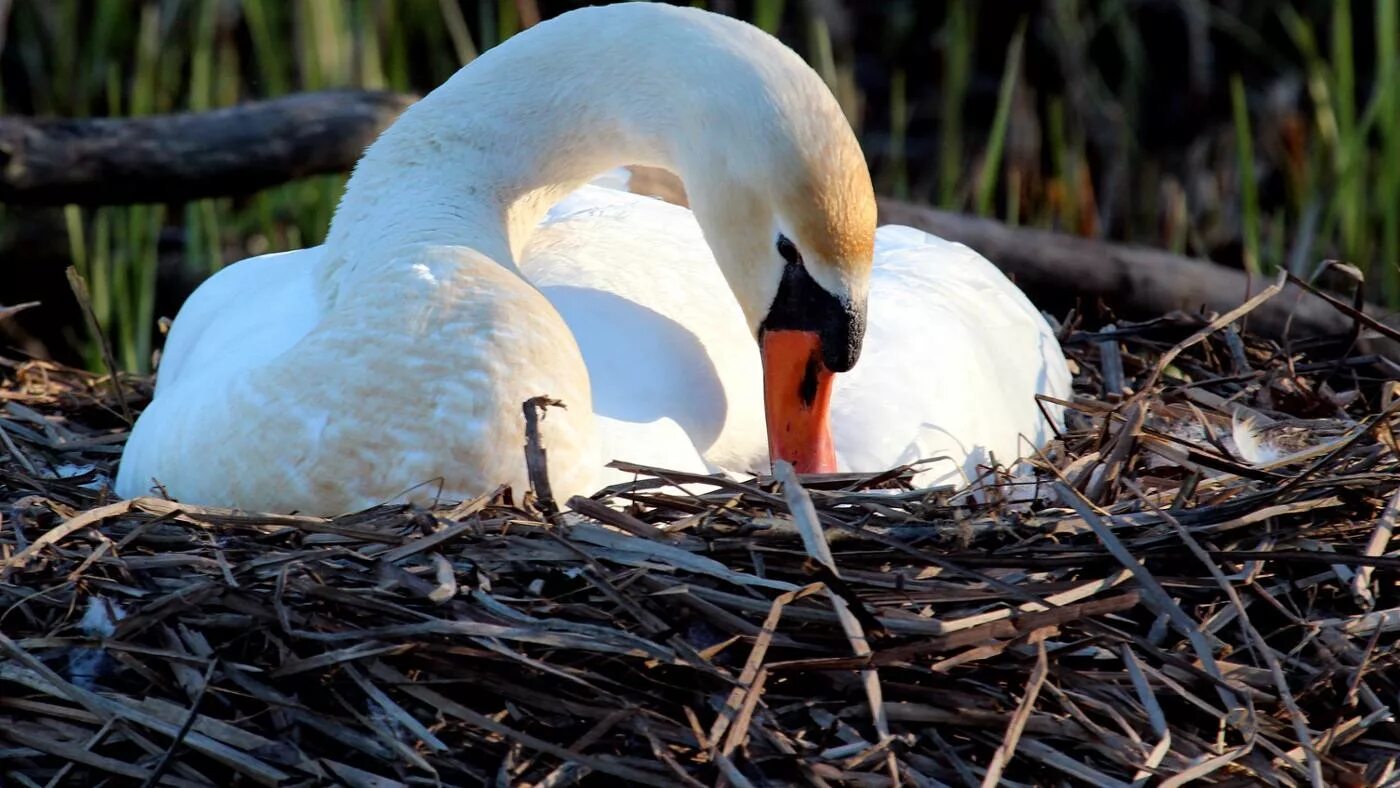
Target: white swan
{"type": "Point", "coordinates": [394, 359]}
{"type": "Point", "coordinates": [953, 358]}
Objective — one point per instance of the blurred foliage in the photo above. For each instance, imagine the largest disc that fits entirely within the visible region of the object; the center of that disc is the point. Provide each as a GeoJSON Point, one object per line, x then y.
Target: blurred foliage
{"type": "Point", "coordinates": [1261, 134]}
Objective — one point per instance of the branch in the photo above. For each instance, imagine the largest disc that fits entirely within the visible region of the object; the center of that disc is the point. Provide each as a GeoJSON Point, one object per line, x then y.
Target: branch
{"type": "Point", "coordinates": [1144, 280]}
{"type": "Point", "coordinates": [172, 158]}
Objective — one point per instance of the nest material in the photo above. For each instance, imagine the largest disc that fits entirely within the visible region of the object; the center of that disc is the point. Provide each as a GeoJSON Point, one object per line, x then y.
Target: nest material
{"type": "Point", "coordinates": [1149, 609]}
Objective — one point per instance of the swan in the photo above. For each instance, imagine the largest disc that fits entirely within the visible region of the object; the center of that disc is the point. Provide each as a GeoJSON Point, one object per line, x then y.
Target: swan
{"type": "Point", "coordinates": [468, 269]}
{"type": "Point", "coordinates": [953, 358]}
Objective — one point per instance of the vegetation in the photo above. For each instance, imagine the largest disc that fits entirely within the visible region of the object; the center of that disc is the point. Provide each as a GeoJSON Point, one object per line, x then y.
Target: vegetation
{"type": "Point", "coordinates": [1266, 136]}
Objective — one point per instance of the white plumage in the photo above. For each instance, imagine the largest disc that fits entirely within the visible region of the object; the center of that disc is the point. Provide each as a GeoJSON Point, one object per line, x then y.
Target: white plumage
{"type": "Point", "coordinates": [954, 355]}
{"type": "Point", "coordinates": [395, 358]}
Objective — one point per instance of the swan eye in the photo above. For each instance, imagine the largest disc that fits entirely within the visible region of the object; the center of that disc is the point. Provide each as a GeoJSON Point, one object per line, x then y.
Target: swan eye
{"type": "Point", "coordinates": [788, 251]}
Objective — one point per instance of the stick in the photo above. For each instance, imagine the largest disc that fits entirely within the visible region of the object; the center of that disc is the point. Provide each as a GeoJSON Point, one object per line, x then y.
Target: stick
{"type": "Point", "coordinates": [814, 540]}
{"type": "Point", "coordinates": [1111, 364]}
{"type": "Point", "coordinates": [536, 457]}
{"type": "Point", "coordinates": [1018, 720]}
{"type": "Point", "coordinates": [1375, 546]}
{"type": "Point", "coordinates": [11, 311]}
{"type": "Point", "coordinates": [80, 292]}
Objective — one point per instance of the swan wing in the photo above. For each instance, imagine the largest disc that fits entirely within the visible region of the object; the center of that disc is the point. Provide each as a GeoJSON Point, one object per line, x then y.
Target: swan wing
{"type": "Point", "coordinates": [244, 315]}
{"type": "Point", "coordinates": [662, 336]}
{"type": "Point", "coordinates": [954, 357]}
{"type": "Point", "coordinates": [410, 387]}
{"type": "Point", "coordinates": [234, 323]}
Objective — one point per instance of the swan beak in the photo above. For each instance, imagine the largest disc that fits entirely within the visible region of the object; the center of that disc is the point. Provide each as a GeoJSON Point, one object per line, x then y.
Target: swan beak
{"type": "Point", "coordinates": [797, 400]}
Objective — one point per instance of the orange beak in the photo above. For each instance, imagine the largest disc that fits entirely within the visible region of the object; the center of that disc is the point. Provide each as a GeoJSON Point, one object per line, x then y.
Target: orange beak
{"type": "Point", "coordinates": [797, 399]}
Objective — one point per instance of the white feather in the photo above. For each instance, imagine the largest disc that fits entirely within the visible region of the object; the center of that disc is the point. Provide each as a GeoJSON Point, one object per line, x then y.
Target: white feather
{"type": "Point", "coordinates": [101, 617]}
{"type": "Point", "coordinates": [396, 357]}
{"type": "Point", "coordinates": [99, 622]}
{"type": "Point", "coordinates": [1245, 430]}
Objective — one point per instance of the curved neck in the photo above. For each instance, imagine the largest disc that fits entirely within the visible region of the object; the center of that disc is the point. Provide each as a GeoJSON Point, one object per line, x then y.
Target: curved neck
{"type": "Point", "coordinates": [479, 160]}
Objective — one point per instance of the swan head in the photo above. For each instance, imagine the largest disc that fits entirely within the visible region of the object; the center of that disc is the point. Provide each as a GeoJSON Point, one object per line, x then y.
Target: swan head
{"type": "Point", "coordinates": [789, 213]}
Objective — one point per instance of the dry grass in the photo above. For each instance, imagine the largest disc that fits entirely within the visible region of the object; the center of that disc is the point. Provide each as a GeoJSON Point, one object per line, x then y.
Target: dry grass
{"type": "Point", "coordinates": [1151, 610]}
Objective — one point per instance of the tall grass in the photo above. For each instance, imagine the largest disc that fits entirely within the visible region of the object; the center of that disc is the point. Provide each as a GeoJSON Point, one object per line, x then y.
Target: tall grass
{"type": "Point", "coordinates": [1387, 30]}
{"type": "Point", "coordinates": [115, 255]}
{"type": "Point", "coordinates": [1249, 188]}
{"type": "Point", "coordinates": [996, 142]}
{"type": "Point", "coordinates": [1359, 179]}
{"type": "Point", "coordinates": [947, 132]}
{"type": "Point", "coordinates": [957, 37]}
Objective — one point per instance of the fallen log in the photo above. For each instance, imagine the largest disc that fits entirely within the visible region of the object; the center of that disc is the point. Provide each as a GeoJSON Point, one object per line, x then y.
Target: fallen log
{"type": "Point", "coordinates": [1143, 280]}
{"type": "Point", "coordinates": [187, 156]}
{"type": "Point", "coordinates": [241, 149]}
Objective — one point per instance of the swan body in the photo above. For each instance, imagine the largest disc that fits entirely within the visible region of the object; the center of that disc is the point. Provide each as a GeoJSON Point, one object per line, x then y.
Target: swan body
{"type": "Point", "coordinates": [670, 345]}
{"type": "Point", "coordinates": [392, 361]}
{"type": "Point", "coordinates": [955, 354]}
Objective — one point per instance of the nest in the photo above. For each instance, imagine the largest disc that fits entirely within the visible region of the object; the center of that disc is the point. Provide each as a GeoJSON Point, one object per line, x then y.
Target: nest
{"type": "Point", "coordinates": [1145, 607]}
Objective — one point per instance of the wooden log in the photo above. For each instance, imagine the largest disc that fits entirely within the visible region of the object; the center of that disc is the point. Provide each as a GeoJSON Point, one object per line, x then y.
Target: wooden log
{"type": "Point", "coordinates": [172, 158]}
{"type": "Point", "coordinates": [1143, 280]}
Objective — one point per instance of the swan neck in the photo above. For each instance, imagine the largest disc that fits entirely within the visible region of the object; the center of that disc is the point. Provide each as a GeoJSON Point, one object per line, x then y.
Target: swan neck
{"type": "Point", "coordinates": [480, 160]}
